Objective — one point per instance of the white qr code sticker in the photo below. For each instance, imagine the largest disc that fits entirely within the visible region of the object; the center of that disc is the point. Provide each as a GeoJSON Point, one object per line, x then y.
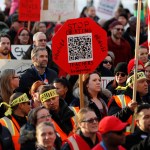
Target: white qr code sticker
{"type": "Point", "coordinates": [80, 47]}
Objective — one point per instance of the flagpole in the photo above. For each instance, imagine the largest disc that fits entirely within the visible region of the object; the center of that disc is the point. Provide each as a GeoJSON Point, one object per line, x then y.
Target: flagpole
{"type": "Point", "coordinates": [136, 57]}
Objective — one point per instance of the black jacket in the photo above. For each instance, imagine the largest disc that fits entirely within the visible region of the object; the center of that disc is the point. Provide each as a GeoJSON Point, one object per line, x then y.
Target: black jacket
{"type": "Point", "coordinates": [135, 138]}
{"type": "Point", "coordinates": [6, 139]}
{"type": "Point", "coordinates": [63, 117]}
{"type": "Point", "coordinates": [30, 76]}
{"type": "Point", "coordinates": [51, 64]}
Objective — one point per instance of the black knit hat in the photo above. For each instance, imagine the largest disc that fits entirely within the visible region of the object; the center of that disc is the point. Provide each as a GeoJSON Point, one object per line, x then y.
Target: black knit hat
{"type": "Point", "coordinates": [121, 67]}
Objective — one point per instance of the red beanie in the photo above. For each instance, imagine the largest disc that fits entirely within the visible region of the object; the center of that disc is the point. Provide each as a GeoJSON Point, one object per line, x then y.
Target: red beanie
{"type": "Point", "coordinates": [114, 23]}
{"type": "Point", "coordinates": [131, 65]}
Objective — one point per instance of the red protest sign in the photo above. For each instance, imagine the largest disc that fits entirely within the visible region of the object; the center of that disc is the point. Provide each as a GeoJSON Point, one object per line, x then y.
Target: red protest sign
{"type": "Point", "coordinates": [79, 46]}
{"type": "Point", "coordinates": [29, 10]}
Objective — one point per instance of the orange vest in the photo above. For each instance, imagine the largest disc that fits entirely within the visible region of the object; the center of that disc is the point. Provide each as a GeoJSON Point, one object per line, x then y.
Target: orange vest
{"type": "Point", "coordinates": [122, 101]}
{"type": "Point", "coordinates": [14, 129]}
{"type": "Point", "coordinates": [76, 142]}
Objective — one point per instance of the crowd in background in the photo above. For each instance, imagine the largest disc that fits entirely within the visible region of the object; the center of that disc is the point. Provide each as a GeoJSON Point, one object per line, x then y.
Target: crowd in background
{"type": "Point", "coordinates": [40, 109]}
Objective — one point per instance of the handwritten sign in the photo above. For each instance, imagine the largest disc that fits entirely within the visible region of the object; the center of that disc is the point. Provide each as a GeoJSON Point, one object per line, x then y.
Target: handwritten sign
{"type": "Point", "coordinates": [58, 10]}
{"type": "Point", "coordinates": [29, 10]}
{"type": "Point", "coordinates": [19, 50]}
{"type": "Point", "coordinates": [79, 46]}
{"type": "Point", "coordinates": [19, 65]}
{"type": "Point", "coordinates": [106, 8]}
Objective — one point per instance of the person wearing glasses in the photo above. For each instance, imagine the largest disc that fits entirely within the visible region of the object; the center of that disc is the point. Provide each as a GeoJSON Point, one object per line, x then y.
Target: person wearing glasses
{"type": "Point", "coordinates": [106, 67]}
{"type": "Point", "coordinates": [120, 78]}
{"type": "Point", "coordinates": [15, 116]}
{"type": "Point", "coordinates": [113, 134]}
{"type": "Point", "coordinates": [27, 132]}
{"type": "Point", "coordinates": [117, 44]}
{"type": "Point", "coordinates": [123, 105]}
{"type": "Point", "coordinates": [9, 80]}
{"type": "Point", "coordinates": [87, 135]}
{"type": "Point", "coordinates": [62, 116]}
{"type": "Point", "coordinates": [23, 37]}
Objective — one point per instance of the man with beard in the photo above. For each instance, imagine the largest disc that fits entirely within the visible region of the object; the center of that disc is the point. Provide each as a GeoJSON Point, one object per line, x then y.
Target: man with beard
{"type": "Point", "coordinates": [38, 71]}
{"type": "Point", "coordinates": [5, 52]}
{"type": "Point", "coordinates": [119, 46]}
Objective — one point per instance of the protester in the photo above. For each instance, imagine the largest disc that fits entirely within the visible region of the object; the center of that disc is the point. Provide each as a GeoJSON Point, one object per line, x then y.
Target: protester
{"type": "Point", "coordinates": [15, 116]}
{"type": "Point", "coordinates": [38, 70]}
{"type": "Point", "coordinates": [65, 92]}
{"type": "Point", "coordinates": [39, 40]}
{"type": "Point", "coordinates": [5, 47]}
{"type": "Point", "coordinates": [123, 105]}
{"type": "Point", "coordinates": [62, 115]}
{"type": "Point", "coordinates": [121, 74]}
{"type": "Point", "coordinates": [27, 132]}
{"type": "Point", "coordinates": [9, 81]}
{"type": "Point", "coordinates": [112, 131]}
{"type": "Point", "coordinates": [117, 44]}
{"type": "Point", "coordinates": [106, 67]}
{"type": "Point", "coordinates": [45, 135]}
{"type": "Point", "coordinates": [23, 37]}
{"type": "Point", "coordinates": [34, 92]}
{"type": "Point", "coordinates": [87, 135]}
{"type": "Point", "coordinates": [143, 54]}
{"type": "Point", "coordinates": [142, 129]}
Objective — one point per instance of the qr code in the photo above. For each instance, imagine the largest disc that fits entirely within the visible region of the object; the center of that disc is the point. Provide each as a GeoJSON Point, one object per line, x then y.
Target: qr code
{"type": "Point", "coordinates": [80, 47]}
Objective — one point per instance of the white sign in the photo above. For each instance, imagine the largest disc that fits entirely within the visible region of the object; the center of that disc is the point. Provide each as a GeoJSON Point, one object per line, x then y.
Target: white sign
{"type": "Point", "coordinates": [105, 8]}
{"type": "Point", "coordinates": [19, 65]}
{"type": "Point", "coordinates": [58, 10]}
{"type": "Point", "coordinates": [19, 50]}
{"type": "Point", "coordinates": [105, 81]}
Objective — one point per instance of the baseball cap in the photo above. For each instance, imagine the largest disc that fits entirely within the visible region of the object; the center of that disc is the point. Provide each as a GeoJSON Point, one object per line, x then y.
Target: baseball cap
{"type": "Point", "coordinates": [111, 123]}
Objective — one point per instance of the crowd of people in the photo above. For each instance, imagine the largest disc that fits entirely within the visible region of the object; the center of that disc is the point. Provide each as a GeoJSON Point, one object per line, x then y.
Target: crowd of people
{"type": "Point", "coordinates": [40, 108]}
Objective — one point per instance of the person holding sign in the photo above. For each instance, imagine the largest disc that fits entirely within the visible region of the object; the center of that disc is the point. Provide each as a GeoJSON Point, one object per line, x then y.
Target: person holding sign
{"type": "Point", "coordinates": [122, 106]}
{"type": "Point", "coordinates": [15, 116]}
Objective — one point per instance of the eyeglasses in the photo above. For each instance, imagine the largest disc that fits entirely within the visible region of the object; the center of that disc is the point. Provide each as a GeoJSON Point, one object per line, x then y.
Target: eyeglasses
{"type": "Point", "coordinates": [91, 120]}
{"type": "Point", "coordinates": [121, 74]}
{"type": "Point", "coordinates": [106, 62]}
{"type": "Point", "coordinates": [44, 117]}
{"type": "Point", "coordinates": [24, 34]}
{"type": "Point", "coordinates": [119, 29]}
{"type": "Point", "coordinates": [41, 40]}
{"type": "Point", "coordinates": [16, 77]}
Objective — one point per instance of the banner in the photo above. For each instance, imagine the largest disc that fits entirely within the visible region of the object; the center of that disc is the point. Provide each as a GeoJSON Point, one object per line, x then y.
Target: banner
{"type": "Point", "coordinates": [58, 10]}
{"type": "Point", "coordinates": [19, 50]}
{"type": "Point", "coordinates": [106, 8]}
{"type": "Point", "coordinates": [19, 65]}
{"type": "Point", "coordinates": [29, 10]}
{"type": "Point", "coordinates": [105, 81]}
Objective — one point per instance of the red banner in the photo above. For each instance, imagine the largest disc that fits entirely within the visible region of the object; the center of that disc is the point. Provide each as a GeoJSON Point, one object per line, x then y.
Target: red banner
{"type": "Point", "coordinates": [29, 10]}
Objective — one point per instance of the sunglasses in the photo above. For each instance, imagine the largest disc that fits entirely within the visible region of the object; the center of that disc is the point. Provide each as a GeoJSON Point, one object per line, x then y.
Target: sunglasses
{"type": "Point", "coordinates": [45, 117]}
{"type": "Point", "coordinates": [106, 62]}
{"type": "Point", "coordinates": [121, 74]}
{"type": "Point", "coordinates": [119, 29]}
{"type": "Point", "coordinates": [91, 120]}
